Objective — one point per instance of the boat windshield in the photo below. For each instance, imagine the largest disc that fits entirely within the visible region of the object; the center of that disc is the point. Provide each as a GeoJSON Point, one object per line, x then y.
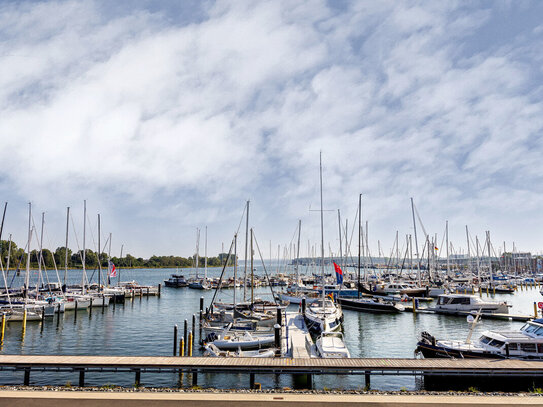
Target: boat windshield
{"type": "Point", "coordinates": [484, 339]}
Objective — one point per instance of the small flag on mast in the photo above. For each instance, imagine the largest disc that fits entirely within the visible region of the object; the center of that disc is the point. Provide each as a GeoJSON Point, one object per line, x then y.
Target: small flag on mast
{"type": "Point", "coordinates": [339, 274]}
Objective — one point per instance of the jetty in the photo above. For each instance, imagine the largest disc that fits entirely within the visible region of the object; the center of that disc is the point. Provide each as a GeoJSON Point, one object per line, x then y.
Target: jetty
{"type": "Point", "coordinates": [475, 368]}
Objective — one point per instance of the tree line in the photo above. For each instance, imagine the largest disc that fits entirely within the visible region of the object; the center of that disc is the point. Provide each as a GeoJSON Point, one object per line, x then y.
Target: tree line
{"type": "Point", "coordinates": [18, 259]}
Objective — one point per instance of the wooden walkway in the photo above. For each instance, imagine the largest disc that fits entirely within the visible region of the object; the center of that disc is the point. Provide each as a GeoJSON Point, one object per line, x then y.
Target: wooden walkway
{"type": "Point", "coordinates": [274, 365]}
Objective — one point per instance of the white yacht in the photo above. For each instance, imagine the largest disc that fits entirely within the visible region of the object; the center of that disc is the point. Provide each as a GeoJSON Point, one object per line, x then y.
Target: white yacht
{"type": "Point", "coordinates": [323, 313]}
{"type": "Point", "coordinates": [466, 303]}
{"type": "Point", "coordinates": [331, 345]}
{"type": "Point", "coordinates": [526, 343]}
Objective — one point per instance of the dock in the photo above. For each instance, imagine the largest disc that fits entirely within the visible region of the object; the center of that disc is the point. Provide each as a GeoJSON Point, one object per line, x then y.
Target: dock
{"type": "Point", "coordinates": [296, 337]}
{"type": "Point", "coordinates": [137, 365]}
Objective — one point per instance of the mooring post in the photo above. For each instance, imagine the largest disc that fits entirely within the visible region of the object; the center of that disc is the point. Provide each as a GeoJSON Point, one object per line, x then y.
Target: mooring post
{"type": "Point", "coordinates": [43, 313]}
{"type": "Point", "coordinates": [414, 305]}
{"type": "Point", "coordinates": [251, 381]}
{"type": "Point", "coordinates": [277, 328]}
{"type": "Point", "coordinates": [194, 378]}
{"type": "Point", "coordinates": [26, 379]}
{"type": "Point", "coordinates": [81, 377]}
{"type": "Point", "coordinates": [303, 305]}
{"type": "Point", "coordinates": [310, 382]}
{"type": "Point", "coordinates": [159, 289]}
{"type": "Point", "coordinates": [186, 333]}
{"type": "Point", "coordinates": [138, 378]}
{"type": "Point", "coordinates": [175, 340]}
{"type": "Point", "coordinates": [535, 309]}
{"type": "Point", "coordinates": [3, 327]}
{"type": "Point", "coordinates": [201, 304]}
{"type": "Point", "coordinates": [279, 319]}
{"type": "Point", "coordinates": [75, 309]}
{"type": "Point", "coordinates": [191, 343]}
{"type": "Point", "coordinates": [182, 347]}
{"type": "Point", "coordinates": [194, 323]}
{"type": "Point", "coordinates": [367, 377]}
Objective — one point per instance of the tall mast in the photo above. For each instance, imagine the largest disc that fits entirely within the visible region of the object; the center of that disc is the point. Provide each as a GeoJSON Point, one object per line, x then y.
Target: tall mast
{"type": "Point", "coordinates": [84, 254]}
{"type": "Point", "coordinates": [40, 258]}
{"type": "Point", "coordinates": [27, 276]}
{"type": "Point", "coordinates": [66, 246]}
{"type": "Point", "coordinates": [489, 256]}
{"type": "Point", "coordinates": [205, 257]}
{"type": "Point", "coordinates": [447, 238]}
{"type": "Point", "coordinates": [298, 255]}
{"type": "Point", "coordinates": [246, 248]}
{"type": "Point", "coordinates": [235, 267]}
{"type": "Point", "coordinates": [197, 250]}
{"type": "Point", "coordinates": [416, 241]}
{"type": "Point", "coordinates": [322, 232]}
{"type": "Point", "coordinates": [359, 237]}
{"type": "Point", "coordinates": [340, 238]}
{"type": "Point", "coordinates": [469, 254]}
{"type": "Point", "coordinates": [109, 262]}
{"type": "Point", "coordinates": [99, 257]}
{"type": "Point", "coordinates": [252, 272]}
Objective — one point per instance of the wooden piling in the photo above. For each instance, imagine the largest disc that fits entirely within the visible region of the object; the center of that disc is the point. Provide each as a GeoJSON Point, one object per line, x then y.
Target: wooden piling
{"type": "Point", "coordinates": [137, 380]}
{"type": "Point", "coordinates": [182, 347]}
{"type": "Point", "coordinates": [535, 309]}
{"type": "Point", "coordinates": [82, 378]}
{"type": "Point", "coordinates": [185, 334]}
{"type": "Point", "coordinates": [24, 321]}
{"type": "Point", "coordinates": [175, 340]}
{"type": "Point", "coordinates": [414, 305]}
{"type": "Point", "coordinates": [2, 334]}
{"type": "Point", "coordinates": [26, 380]}
{"type": "Point", "coordinates": [190, 343]}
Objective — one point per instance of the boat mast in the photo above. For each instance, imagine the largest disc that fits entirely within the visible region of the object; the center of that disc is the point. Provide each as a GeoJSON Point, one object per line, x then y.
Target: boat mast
{"type": "Point", "coordinates": [246, 248]}
{"type": "Point", "coordinates": [235, 267]}
{"type": "Point", "coordinates": [84, 254]}
{"type": "Point", "coordinates": [359, 238]}
{"type": "Point", "coordinates": [340, 238]}
{"type": "Point", "coordinates": [197, 250]}
{"type": "Point", "coordinates": [416, 241]}
{"type": "Point", "coordinates": [66, 247]}
{"type": "Point", "coordinates": [99, 257]}
{"type": "Point", "coordinates": [109, 262]}
{"type": "Point", "coordinates": [40, 258]}
{"type": "Point", "coordinates": [298, 255]}
{"type": "Point", "coordinates": [252, 272]}
{"type": "Point", "coordinates": [489, 258]}
{"type": "Point", "coordinates": [27, 276]}
{"type": "Point", "coordinates": [322, 233]}
{"type": "Point", "coordinates": [205, 257]}
{"type": "Point", "coordinates": [468, 262]}
{"type": "Point", "coordinates": [447, 241]}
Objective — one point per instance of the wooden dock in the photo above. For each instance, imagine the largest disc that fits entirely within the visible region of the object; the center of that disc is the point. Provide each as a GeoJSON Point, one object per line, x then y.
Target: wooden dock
{"type": "Point", "coordinates": [297, 340]}
{"type": "Point", "coordinates": [309, 366]}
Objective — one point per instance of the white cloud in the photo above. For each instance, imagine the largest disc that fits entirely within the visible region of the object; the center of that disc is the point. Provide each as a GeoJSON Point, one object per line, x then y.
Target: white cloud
{"type": "Point", "coordinates": [153, 120]}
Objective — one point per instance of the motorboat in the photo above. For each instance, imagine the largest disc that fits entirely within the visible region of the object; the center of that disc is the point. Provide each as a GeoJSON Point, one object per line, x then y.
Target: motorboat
{"type": "Point", "coordinates": [323, 313]}
{"type": "Point", "coordinates": [176, 281]}
{"type": "Point", "coordinates": [331, 345]}
{"type": "Point", "coordinates": [213, 351]}
{"type": "Point", "coordinates": [526, 343]}
{"type": "Point", "coordinates": [229, 340]}
{"type": "Point", "coordinates": [466, 303]}
{"type": "Point", "coordinates": [371, 304]}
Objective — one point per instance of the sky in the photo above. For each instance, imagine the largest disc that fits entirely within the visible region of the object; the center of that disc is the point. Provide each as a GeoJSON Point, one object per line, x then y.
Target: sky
{"type": "Point", "coordinates": [168, 116]}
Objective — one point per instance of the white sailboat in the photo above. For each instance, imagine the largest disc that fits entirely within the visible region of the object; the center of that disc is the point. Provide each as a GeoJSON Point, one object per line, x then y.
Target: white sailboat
{"type": "Point", "coordinates": [324, 312]}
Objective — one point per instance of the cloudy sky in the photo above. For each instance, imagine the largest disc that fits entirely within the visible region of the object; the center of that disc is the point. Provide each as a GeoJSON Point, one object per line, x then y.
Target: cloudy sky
{"type": "Point", "coordinates": [167, 116]}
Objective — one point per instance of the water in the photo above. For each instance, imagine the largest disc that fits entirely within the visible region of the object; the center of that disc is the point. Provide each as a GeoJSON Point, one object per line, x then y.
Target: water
{"type": "Point", "coordinates": [144, 327]}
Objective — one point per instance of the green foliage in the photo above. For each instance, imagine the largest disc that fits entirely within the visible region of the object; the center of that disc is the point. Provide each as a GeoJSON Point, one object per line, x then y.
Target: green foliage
{"type": "Point", "coordinates": [17, 259]}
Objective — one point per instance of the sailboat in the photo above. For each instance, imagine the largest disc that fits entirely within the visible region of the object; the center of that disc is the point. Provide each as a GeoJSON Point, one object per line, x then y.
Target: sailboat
{"type": "Point", "coordinates": [323, 314]}
{"type": "Point", "coordinates": [200, 283]}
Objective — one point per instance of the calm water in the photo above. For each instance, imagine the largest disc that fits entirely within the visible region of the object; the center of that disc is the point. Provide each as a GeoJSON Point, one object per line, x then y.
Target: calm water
{"type": "Point", "coordinates": [144, 327]}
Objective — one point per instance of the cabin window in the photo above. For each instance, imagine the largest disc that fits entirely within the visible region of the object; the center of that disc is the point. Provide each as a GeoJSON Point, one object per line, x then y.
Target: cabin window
{"type": "Point", "coordinates": [528, 347]}
{"type": "Point", "coordinates": [540, 348]}
{"type": "Point", "coordinates": [539, 331]}
{"type": "Point", "coordinates": [485, 339]}
{"type": "Point", "coordinates": [513, 346]}
{"type": "Point", "coordinates": [496, 343]}
{"type": "Point", "coordinates": [531, 328]}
